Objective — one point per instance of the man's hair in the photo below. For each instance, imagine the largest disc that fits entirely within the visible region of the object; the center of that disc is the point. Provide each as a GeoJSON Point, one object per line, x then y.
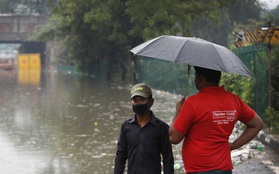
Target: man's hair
{"type": "Point", "coordinates": [211, 76]}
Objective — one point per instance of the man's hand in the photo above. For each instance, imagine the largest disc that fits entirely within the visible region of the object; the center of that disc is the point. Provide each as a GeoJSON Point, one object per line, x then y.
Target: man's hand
{"type": "Point", "coordinates": [178, 107]}
{"type": "Point", "coordinates": [175, 136]}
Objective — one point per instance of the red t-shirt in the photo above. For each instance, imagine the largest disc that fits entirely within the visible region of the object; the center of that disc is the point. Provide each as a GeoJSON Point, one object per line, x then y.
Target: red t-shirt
{"type": "Point", "coordinates": [207, 119]}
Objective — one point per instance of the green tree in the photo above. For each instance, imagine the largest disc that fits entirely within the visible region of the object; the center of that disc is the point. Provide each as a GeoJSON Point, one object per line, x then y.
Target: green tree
{"type": "Point", "coordinates": [273, 111]}
{"type": "Point", "coordinates": [154, 18]}
{"type": "Point", "coordinates": [234, 13]}
{"type": "Point", "coordinates": [26, 7]}
{"type": "Point", "coordinates": [275, 78]}
{"type": "Point", "coordinates": [104, 30]}
{"type": "Point", "coordinates": [95, 32]}
{"type": "Point", "coordinates": [41, 7]}
{"type": "Point", "coordinates": [8, 6]}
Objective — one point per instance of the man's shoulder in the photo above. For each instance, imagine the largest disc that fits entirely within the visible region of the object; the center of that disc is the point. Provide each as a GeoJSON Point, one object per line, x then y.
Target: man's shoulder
{"type": "Point", "coordinates": [129, 120]}
{"type": "Point", "coordinates": [160, 122]}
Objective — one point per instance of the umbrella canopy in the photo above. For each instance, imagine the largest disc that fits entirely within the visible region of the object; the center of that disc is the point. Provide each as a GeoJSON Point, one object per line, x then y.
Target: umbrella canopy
{"type": "Point", "coordinates": [192, 51]}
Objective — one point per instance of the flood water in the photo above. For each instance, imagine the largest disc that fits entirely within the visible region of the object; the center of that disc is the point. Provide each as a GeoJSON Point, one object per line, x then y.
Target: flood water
{"type": "Point", "coordinates": [60, 123]}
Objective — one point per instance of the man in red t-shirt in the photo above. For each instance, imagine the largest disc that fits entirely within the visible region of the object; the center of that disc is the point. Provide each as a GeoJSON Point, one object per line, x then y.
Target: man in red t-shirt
{"type": "Point", "coordinates": [206, 120]}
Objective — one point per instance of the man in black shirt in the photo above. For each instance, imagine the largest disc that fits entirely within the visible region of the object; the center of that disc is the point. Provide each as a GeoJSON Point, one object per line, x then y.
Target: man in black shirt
{"type": "Point", "coordinates": [143, 138]}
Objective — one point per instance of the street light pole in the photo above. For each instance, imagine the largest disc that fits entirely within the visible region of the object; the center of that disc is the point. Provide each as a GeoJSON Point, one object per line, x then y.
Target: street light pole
{"type": "Point", "coordinates": [268, 39]}
{"type": "Point", "coordinates": [269, 75]}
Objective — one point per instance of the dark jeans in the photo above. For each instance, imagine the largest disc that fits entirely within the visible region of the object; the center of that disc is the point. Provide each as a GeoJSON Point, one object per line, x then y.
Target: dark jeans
{"type": "Point", "coordinates": [213, 172]}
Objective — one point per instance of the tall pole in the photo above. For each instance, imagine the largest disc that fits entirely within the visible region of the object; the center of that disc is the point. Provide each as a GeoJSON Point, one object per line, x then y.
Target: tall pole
{"type": "Point", "coordinates": [272, 40]}
{"type": "Point", "coordinates": [269, 36]}
{"type": "Point", "coordinates": [269, 75]}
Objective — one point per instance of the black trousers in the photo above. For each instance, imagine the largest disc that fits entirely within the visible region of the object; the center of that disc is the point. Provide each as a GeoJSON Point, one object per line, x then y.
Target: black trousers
{"type": "Point", "coordinates": [213, 172]}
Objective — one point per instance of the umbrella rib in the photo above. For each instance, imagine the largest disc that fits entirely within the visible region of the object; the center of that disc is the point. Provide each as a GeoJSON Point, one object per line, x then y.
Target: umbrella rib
{"type": "Point", "coordinates": [219, 57]}
{"type": "Point", "coordinates": [144, 46]}
{"type": "Point", "coordinates": [180, 51]}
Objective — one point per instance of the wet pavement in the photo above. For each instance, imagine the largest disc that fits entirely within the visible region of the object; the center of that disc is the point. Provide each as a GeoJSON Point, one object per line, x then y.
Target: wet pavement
{"type": "Point", "coordinates": [265, 162]}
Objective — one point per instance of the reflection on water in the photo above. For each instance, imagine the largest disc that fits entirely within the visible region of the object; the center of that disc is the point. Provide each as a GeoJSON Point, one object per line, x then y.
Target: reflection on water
{"type": "Point", "coordinates": [30, 77]}
{"type": "Point", "coordinates": [65, 124]}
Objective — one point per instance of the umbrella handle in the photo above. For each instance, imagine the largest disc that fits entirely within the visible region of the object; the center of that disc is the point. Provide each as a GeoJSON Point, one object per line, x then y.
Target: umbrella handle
{"type": "Point", "coordinates": [187, 81]}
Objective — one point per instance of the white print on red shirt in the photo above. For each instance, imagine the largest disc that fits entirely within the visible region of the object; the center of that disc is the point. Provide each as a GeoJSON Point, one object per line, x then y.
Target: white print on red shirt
{"type": "Point", "coordinates": [223, 117]}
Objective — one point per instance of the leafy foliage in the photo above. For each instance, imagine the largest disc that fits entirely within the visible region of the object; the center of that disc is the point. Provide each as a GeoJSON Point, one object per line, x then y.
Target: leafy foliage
{"type": "Point", "coordinates": [105, 30]}
{"type": "Point", "coordinates": [273, 119]}
{"type": "Point", "coordinates": [241, 86]}
{"type": "Point", "coordinates": [153, 18]}
{"type": "Point", "coordinates": [26, 7]}
{"type": "Point", "coordinates": [273, 110]}
{"type": "Point", "coordinates": [275, 79]}
{"type": "Point", "coordinates": [232, 14]}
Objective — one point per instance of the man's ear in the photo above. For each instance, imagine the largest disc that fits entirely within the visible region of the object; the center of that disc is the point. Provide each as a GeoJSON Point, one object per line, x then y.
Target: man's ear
{"type": "Point", "coordinates": [203, 78]}
{"type": "Point", "coordinates": [198, 78]}
{"type": "Point", "coordinates": [151, 101]}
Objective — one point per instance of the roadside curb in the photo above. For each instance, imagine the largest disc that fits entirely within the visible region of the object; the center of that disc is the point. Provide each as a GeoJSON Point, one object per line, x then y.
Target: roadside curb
{"type": "Point", "coordinates": [269, 140]}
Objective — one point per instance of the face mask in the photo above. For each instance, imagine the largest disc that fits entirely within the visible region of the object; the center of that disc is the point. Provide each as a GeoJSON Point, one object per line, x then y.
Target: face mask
{"type": "Point", "coordinates": [140, 109]}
